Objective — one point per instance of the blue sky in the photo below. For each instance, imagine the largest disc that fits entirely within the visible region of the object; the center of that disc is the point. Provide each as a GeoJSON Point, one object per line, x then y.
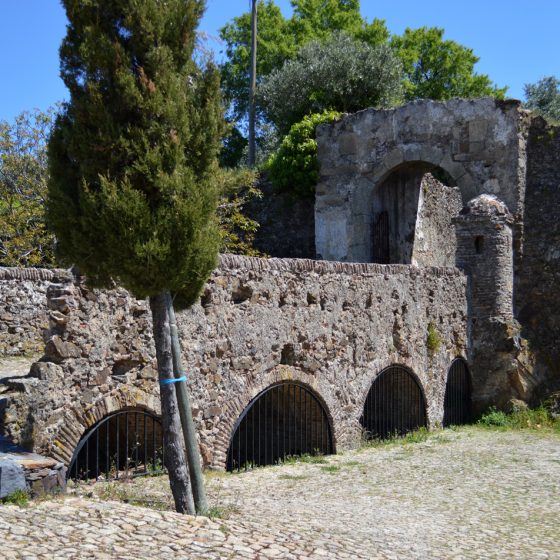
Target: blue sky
{"type": "Point", "coordinates": [517, 41]}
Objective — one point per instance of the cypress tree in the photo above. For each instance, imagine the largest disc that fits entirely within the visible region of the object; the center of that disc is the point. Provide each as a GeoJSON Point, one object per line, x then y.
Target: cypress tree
{"type": "Point", "coordinates": [132, 158]}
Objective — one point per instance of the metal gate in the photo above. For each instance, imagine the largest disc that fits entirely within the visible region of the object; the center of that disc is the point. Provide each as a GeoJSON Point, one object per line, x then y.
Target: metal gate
{"type": "Point", "coordinates": [395, 404]}
{"type": "Point", "coordinates": [284, 420]}
{"type": "Point", "coordinates": [124, 444]}
{"type": "Point", "coordinates": [381, 238]}
{"type": "Point", "coordinates": [457, 402]}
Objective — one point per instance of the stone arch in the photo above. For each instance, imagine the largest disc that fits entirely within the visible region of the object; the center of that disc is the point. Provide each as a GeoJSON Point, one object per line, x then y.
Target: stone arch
{"type": "Point", "coordinates": [458, 394]}
{"type": "Point", "coordinates": [78, 421]}
{"type": "Point", "coordinates": [286, 419]}
{"type": "Point", "coordinates": [381, 417]}
{"type": "Point", "coordinates": [406, 207]}
{"type": "Point", "coordinates": [234, 408]}
{"type": "Point", "coordinates": [431, 155]}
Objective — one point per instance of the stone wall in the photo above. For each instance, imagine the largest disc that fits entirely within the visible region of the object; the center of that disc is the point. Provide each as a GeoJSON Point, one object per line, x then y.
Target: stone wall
{"type": "Point", "coordinates": [287, 223]}
{"type": "Point", "coordinates": [479, 143]}
{"type": "Point", "coordinates": [537, 300]}
{"type": "Point", "coordinates": [330, 326]}
{"type": "Point", "coordinates": [23, 309]}
{"type": "Point", "coordinates": [434, 237]}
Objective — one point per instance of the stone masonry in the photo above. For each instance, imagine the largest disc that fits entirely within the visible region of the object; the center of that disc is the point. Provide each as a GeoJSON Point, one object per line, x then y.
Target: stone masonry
{"type": "Point", "coordinates": [331, 326]}
{"type": "Point", "coordinates": [467, 195]}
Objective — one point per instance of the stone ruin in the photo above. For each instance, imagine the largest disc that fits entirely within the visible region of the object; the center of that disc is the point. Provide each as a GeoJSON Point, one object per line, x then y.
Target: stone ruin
{"type": "Point", "coordinates": [435, 238]}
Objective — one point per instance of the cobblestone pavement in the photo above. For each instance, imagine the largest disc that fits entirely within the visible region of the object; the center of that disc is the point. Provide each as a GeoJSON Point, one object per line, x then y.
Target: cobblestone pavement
{"type": "Point", "coordinates": [461, 494]}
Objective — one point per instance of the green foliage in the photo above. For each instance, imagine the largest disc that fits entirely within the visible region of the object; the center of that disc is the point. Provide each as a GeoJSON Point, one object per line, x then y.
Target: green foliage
{"type": "Point", "coordinates": [433, 339]}
{"type": "Point", "coordinates": [18, 498]}
{"type": "Point", "coordinates": [294, 167]}
{"type": "Point", "coordinates": [340, 74]}
{"type": "Point", "coordinates": [133, 155]}
{"type": "Point", "coordinates": [238, 188]}
{"type": "Point", "coordinates": [539, 419]}
{"type": "Point", "coordinates": [280, 39]}
{"type": "Point", "coordinates": [544, 98]}
{"type": "Point", "coordinates": [24, 239]}
{"type": "Point", "coordinates": [440, 69]}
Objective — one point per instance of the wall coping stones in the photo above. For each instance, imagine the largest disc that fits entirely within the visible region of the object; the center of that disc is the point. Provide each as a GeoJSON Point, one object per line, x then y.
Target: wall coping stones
{"type": "Point", "coordinates": [257, 264]}
{"type": "Point", "coordinates": [35, 274]}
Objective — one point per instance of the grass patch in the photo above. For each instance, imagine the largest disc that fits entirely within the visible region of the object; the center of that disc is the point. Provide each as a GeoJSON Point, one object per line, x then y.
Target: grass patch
{"type": "Point", "coordinates": [417, 436]}
{"type": "Point", "coordinates": [307, 458]}
{"type": "Point", "coordinates": [538, 419]}
{"type": "Point", "coordinates": [331, 469]}
{"type": "Point", "coordinates": [18, 498]}
{"type": "Point", "coordinates": [293, 477]}
{"type": "Point", "coordinates": [222, 512]}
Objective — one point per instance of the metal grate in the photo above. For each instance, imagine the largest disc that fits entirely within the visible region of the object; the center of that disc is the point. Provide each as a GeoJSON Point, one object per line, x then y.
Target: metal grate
{"type": "Point", "coordinates": [395, 404]}
{"type": "Point", "coordinates": [381, 239]}
{"type": "Point", "coordinates": [124, 444]}
{"type": "Point", "coordinates": [284, 420]}
{"type": "Point", "coordinates": [457, 402]}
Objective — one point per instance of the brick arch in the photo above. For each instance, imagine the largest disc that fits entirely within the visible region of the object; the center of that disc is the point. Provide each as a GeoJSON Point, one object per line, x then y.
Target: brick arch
{"type": "Point", "coordinates": [235, 407]}
{"type": "Point", "coordinates": [76, 422]}
{"type": "Point", "coordinates": [413, 375]}
{"type": "Point", "coordinates": [382, 366]}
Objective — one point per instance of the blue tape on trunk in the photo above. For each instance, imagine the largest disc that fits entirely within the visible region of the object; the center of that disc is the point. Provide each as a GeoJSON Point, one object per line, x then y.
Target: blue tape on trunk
{"type": "Point", "coordinates": [171, 381]}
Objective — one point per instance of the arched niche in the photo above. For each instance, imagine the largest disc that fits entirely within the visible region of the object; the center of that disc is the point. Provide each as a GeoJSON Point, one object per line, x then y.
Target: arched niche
{"type": "Point", "coordinates": [286, 419]}
{"type": "Point", "coordinates": [395, 404]}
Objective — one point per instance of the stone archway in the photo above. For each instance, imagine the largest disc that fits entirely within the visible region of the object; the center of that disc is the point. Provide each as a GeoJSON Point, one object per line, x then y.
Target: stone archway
{"type": "Point", "coordinates": [475, 141]}
{"type": "Point", "coordinates": [76, 421]}
{"type": "Point", "coordinates": [235, 407]}
{"type": "Point", "coordinates": [412, 208]}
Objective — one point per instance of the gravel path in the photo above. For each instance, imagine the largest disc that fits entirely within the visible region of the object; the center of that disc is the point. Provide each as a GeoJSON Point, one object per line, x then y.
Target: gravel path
{"type": "Point", "coordinates": [461, 494]}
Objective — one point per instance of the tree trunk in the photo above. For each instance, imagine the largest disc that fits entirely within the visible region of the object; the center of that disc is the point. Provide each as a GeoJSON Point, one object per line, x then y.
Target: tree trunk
{"type": "Point", "coordinates": [172, 437]}
{"type": "Point", "coordinates": [189, 432]}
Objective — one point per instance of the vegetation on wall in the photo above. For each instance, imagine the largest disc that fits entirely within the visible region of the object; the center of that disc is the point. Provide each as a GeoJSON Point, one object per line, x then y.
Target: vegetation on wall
{"type": "Point", "coordinates": [433, 339]}
{"type": "Point", "coordinates": [294, 168]}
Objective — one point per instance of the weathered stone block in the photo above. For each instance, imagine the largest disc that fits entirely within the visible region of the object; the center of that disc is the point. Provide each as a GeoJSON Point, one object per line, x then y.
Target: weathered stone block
{"type": "Point", "coordinates": [12, 477]}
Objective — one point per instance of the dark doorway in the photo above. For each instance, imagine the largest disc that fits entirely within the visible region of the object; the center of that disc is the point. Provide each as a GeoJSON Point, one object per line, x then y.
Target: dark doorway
{"type": "Point", "coordinates": [285, 420]}
{"type": "Point", "coordinates": [395, 404]}
{"type": "Point", "coordinates": [457, 402]}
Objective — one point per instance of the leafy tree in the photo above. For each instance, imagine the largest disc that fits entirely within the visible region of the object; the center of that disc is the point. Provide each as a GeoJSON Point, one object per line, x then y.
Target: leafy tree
{"type": "Point", "coordinates": [544, 97]}
{"type": "Point", "coordinates": [132, 192]}
{"type": "Point", "coordinates": [24, 239]}
{"type": "Point", "coordinates": [280, 39]}
{"type": "Point", "coordinates": [275, 43]}
{"type": "Point", "coordinates": [319, 19]}
{"type": "Point", "coordinates": [340, 74]}
{"type": "Point", "coordinates": [440, 69]}
{"type": "Point", "coordinates": [294, 167]}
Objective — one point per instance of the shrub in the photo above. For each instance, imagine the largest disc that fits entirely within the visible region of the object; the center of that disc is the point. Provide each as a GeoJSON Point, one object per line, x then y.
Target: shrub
{"type": "Point", "coordinates": [294, 167]}
{"type": "Point", "coordinates": [433, 340]}
{"type": "Point", "coordinates": [527, 419]}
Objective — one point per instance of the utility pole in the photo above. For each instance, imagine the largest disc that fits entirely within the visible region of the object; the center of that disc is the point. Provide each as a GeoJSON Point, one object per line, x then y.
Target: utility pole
{"type": "Point", "coordinates": [253, 84]}
{"type": "Point", "coordinates": [187, 423]}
